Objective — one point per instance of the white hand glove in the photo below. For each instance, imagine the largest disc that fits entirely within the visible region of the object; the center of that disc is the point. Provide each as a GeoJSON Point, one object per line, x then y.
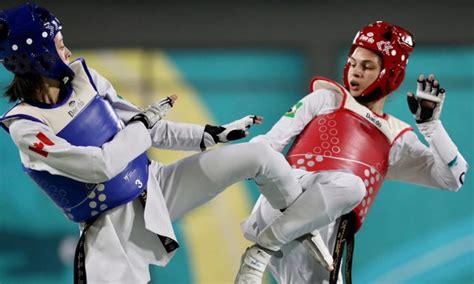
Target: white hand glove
{"type": "Point", "coordinates": [234, 130]}
{"type": "Point", "coordinates": [427, 104]}
{"type": "Point", "coordinates": [155, 112]}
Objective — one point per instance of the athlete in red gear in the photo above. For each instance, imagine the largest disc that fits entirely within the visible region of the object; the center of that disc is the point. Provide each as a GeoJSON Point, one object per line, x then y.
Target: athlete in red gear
{"type": "Point", "coordinates": [345, 146]}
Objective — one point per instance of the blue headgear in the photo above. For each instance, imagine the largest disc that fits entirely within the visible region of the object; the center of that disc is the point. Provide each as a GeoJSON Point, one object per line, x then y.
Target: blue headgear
{"type": "Point", "coordinates": [27, 42]}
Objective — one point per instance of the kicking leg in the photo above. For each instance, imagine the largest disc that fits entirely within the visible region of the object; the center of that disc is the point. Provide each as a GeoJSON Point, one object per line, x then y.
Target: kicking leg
{"type": "Point", "coordinates": [195, 180]}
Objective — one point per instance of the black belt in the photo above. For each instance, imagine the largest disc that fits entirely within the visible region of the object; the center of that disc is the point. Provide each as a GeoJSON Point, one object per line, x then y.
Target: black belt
{"type": "Point", "coordinates": [80, 257]}
{"type": "Point", "coordinates": [345, 235]}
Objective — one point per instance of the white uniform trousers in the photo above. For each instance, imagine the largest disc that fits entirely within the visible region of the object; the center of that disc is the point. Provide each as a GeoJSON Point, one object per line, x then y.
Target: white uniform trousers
{"type": "Point", "coordinates": [122, 243]}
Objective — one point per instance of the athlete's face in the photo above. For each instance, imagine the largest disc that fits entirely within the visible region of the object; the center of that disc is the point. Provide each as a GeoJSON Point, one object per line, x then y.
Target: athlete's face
{"type": "Point", "coordinates": [63, 52]}
{"type": "Point", "coordinates": [364, 68]}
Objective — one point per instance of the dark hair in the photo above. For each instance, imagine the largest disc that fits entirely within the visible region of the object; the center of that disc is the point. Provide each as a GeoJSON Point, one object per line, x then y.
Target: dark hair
{"type": "Point", "coordinates": [25, 87]}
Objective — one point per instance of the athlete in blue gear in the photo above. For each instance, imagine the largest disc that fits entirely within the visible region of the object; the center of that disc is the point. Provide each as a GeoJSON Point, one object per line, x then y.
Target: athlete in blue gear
{"type": "Point", "coordinates": [86, 149]}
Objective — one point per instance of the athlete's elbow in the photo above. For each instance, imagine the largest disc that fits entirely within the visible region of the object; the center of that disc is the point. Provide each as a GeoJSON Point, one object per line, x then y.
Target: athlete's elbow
{"type": "Point", "coordinates": [455, 185]}
{"type": "Point", "coordinates": [103, 171]}
{"type": "Point", "coordinates": [459, 182]}
{"type": "Point", "coordinates": [101, 176]}
{"type": "Point", "coordinates": [454, 188]}
{"type": "Point", "coordinates": [107, 173]}
{"type": "Point", "coordinates": [456, 180]}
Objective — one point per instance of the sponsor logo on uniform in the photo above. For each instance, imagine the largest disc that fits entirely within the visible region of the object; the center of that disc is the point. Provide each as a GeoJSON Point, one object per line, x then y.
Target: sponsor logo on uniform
{"type": "Point", "coordinates": [454, 162]}
{"type": "Point", "coordinates": [374, 120]}
{"type": "Point", "coordinates": [129, 175]}
{"type": "Point", "coordinates": [367, 38]}
{"type": "Point", "coordinates": [75, 107]}
{"type": "Point", "coordinates": [39, 147]}
{"type": "Point", "coordinates": [408, 40]}
{"type": "Point", "coordinates": [51, 27]}
{"type": "Point", "coordinates": [384, 47]}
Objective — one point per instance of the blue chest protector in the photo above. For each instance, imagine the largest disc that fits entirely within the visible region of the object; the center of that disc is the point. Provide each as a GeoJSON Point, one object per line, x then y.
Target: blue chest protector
{"type": "Point", "coordinates": [96, 124]}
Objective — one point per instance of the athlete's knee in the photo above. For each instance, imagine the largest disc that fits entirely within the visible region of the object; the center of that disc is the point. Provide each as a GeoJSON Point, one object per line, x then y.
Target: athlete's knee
{"type": "Point", "coordinates": [256, 157]}
{"type": "Point", "coordinates": [353, 187]}
{"type": "Point", "coordinates": [343, 191]}
{"type": "Point", "coordinates": [263, 149]}
{"type": "Point", "coordinates": [263, 155]}
{"type": "Point", "coordinates": [359, 189]}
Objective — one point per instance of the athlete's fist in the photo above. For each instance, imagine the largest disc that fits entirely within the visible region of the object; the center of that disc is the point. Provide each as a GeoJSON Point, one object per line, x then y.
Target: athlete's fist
{"type": "Point", "coordinates": [234, 130]}
{"type": "Point", "coordinates": [155, 112]}
{"type": "Point", "coordinates": [426, 105]}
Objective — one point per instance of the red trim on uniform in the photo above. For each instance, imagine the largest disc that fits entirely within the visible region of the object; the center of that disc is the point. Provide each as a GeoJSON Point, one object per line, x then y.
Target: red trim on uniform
{"type": "Point", "coordinates": [401, 133]}
{"type": "Point", "coordinates": [384, 116]}
{"type": "Point", "coordinates": [343, 91]}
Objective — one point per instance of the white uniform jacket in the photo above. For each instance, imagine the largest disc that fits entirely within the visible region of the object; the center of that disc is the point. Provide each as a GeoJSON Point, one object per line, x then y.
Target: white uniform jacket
{"type": "Point", "coordinates": [121, 238]}
{"type": "Point", "coordinates": [439, 166]}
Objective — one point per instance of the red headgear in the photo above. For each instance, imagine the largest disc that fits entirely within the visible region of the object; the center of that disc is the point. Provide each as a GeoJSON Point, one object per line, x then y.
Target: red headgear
{"type": "Point", "coordinates": [393, 44]}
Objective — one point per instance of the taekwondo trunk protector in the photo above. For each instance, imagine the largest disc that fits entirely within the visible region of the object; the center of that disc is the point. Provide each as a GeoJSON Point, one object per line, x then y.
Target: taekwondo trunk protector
{"type": "Point", "coordinates": [344, 141]}
{"type": "Point", "coordinates": [83, 118]}
{"type": "Point", "coordinates": [351, 138]}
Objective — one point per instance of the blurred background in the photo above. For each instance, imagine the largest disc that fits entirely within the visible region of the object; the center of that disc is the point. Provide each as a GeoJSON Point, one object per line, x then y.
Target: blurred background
{"type": "Point", "coordinates": [228, 59]}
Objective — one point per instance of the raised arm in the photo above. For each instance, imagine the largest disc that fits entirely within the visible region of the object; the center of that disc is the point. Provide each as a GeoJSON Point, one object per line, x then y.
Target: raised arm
{"type": "Point", "coordinates": [440, 165]}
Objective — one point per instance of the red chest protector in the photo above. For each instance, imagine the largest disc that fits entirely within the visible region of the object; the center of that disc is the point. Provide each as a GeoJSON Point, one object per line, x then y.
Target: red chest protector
{"type": "Point", "coordinates": [350, 138]}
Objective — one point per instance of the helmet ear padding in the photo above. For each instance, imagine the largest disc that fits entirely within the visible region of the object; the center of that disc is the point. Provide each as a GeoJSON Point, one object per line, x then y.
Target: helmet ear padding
{"type": "Point", "coordinates": [397, 74]}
